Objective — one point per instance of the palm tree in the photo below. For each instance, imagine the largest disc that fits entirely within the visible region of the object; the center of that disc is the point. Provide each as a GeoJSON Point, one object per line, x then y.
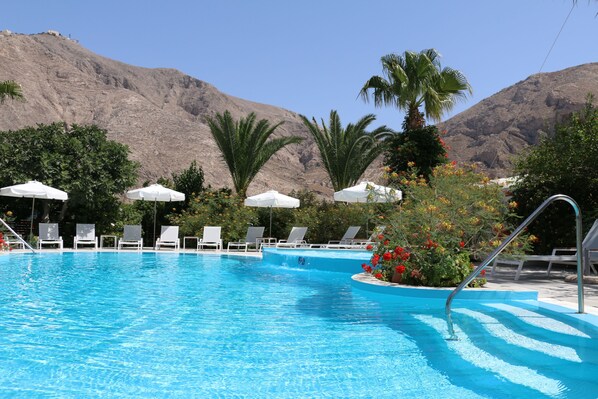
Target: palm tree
{"type": "Point", "coordinates": [10, 89]}
{"type": "Point", "coordinates": [245, 147]}
{"type": "Point", "coordinates": [415, 79]}
{"type": "Point", "coordinates": [346, 153]}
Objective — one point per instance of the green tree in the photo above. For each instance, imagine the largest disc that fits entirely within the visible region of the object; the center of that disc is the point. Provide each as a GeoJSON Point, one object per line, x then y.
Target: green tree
{"type": "Point", "coordinates": [422, 148]}
{"type": "Point", "coordinates": [80, 160]}
{"type": "Point", "coordinates": [415, 79]}
{"type": "Point", "coordinates": [10, 89]}
{"type": "Point", "coordinates": [245, 146]}
{"type": "Point", "coordinates": [347, 152]}
{"type": "Point", "coordinates": [562, 164]}
{"type": "Point", "coordinates": [189, 181]}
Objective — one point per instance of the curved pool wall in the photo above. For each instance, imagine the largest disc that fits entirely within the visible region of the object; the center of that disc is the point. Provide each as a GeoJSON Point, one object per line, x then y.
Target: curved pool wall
{"type": "Point", "coordinates": [344, 261]}
{"type": "Point", "coordinates": [347, 261]}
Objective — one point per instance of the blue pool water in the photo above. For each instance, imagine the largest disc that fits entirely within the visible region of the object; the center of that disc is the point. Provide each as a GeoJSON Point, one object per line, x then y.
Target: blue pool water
{"type": "Point", "coordinates": [130, 325]}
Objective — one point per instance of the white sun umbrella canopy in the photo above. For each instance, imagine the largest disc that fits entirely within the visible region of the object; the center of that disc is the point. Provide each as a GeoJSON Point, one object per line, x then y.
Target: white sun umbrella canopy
{"type": "Point", "coordinates": [272, 199]}
{"type": "Point", "coordinates": [155, 192]}
{"type": "Point", "coordinates": [367, 192]}
{"type": "Point", "coordinates": [34, 189]}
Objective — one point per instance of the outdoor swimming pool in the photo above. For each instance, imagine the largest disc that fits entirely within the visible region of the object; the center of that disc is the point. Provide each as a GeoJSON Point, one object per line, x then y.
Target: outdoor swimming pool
{"type": "Point", "coordinates": [162, 325]}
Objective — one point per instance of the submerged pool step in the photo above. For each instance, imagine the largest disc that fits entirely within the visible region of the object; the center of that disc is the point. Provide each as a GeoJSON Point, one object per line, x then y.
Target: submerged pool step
{"type": "Point", "coordinates": [539, 320]}
{"type": "Point", "coordinates": [499, 330]}
{"type": "Point", "coordinates": [484, 359]}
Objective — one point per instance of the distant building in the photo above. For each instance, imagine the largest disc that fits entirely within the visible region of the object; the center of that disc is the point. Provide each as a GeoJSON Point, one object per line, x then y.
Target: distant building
{"type": "Point", "coordinates": [53, 33]}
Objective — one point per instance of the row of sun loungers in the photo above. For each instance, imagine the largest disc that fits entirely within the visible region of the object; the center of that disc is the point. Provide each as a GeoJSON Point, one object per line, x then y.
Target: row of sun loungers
{"type": "Point", "coordinates": [169, 238]}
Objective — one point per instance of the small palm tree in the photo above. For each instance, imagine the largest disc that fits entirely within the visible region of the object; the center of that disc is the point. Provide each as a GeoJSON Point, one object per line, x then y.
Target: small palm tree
{"type": "Point", "coordinates": [245, 147]}
{"type": "Point", "coordinates": [415, 79]}
{"type": "Point", "coordinates": [346, 153]}
{"type": "Point", "coordinates": [10, 89]}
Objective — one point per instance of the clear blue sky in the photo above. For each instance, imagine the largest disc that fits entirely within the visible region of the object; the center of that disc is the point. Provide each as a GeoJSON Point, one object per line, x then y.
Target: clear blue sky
{"type": "Point", "coordinates": [311, 56]}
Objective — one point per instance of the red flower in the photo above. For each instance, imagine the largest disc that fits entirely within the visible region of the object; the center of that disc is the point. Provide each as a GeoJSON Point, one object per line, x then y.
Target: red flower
{"type": "Point", "coordinates": [375, 259]}
{"type": "Point", "coordinates": [400, 269]}
{"type": "Point", "coordinates": [387, 256]}
{"type": "Point", "coordinates": [398, 250]}
{"type": "Point", "coordinates": [369, 247]}
{"type": "Point", "coordinates": [462, 244]}
{"type": "Point", "coordinates": [367, 268]}
{"type": "Point", "coordinates": [386, 242]}
{"type": "Point", "coordinates": [378, 276]}
{"type": "Point", "coordinates": [483, 273]}
{"type": "Point", "coordinates": [431, 244]}
{"type": "Point", "coordinates": [405, 255]}
{"type": "Point", "coordinates": [381, 237]}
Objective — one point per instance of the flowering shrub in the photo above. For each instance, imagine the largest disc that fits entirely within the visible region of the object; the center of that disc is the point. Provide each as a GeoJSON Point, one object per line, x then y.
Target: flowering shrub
{"type": "Point", "coordinates": [3, 244]}
{"type": "Point", "coordinates": [440, 228]}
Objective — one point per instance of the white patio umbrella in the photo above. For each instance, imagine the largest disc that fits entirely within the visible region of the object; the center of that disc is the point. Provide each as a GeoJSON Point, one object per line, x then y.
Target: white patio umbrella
{"type": "Point", "coordinates": [33, 189]}
{"type": "Point", "coordinates": [366, 192]}
{"type": "Point", "coordinates": [272, 199]}
{"type": "Point", "coordinates": [155, 192]}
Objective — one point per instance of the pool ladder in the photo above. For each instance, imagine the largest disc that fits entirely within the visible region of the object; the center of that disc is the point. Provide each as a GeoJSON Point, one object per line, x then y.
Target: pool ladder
{"type": "Point", "coordinates": [580, 257]}
{"type": "Point", "coordinates": [16, 235]}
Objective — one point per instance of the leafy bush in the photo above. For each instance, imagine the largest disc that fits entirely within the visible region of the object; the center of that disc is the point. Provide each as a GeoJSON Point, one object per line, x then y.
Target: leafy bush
{"type": "Point", "coordinates": [440, 227]}
{"type": "Point", "coordinates": [422, 147]}
{"type": "Point", "coordinates": [563, 164]}
{"type": "Point", "coordinates": [80, 160]}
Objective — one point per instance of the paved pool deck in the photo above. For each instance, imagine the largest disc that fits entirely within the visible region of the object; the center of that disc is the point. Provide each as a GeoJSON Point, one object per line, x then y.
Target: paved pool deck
{"type": "Point", "coordinates": [551, 289]}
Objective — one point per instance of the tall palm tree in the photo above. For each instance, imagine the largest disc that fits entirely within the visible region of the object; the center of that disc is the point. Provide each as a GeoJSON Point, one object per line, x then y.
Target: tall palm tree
{"type": "Point", "coordinates": [10, 89]}
{"type": "Point", "coordinates": [415, 79]}
{"type": "Point", "coordinates": [346, 153]}
{"type": "Point", "coordinates": [244, 145]}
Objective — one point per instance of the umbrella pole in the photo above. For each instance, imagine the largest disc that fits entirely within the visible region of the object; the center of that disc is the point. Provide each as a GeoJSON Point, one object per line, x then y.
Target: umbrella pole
{"type": "Point", "coordinates": [270, 231]}
{"type": "Point", "coordinates": [154, 242]}
{"type": "Point", "coordinates": [31, 225]}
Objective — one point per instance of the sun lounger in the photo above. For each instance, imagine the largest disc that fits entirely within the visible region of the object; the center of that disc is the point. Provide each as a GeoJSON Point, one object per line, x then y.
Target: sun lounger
{"type": "Point", "coordinates": [48, 234]}
{"type": "Point", "coordinates": [251, 239]}
{"type": "Point", "coordinates": [295, 239]}
{"type": "Point", "coordinates": [558, 256]}
{"type": "Point", "coordinates": [85, 235]}
{"type": "Point", "coordinates": [169, 237]}
{"type": "Point", "coordinates": [210, 238]}
{"type": "Point", "coordinates": [131, 237]}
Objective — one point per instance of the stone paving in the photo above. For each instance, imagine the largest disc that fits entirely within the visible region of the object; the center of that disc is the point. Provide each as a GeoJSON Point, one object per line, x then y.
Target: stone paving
{"type": "Point", "coordinates": [553, 288]}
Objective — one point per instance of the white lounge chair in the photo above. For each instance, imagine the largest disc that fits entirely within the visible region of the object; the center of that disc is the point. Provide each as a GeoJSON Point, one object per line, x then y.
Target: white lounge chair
{"type": "Point", "coordinates": [169, 237]}
{"type": "Point", "coordinates": [210, 238]}
{"type": "Point", "coordinates": [296, 238]}
{"type": "Point", "coordinates": [251, 239]}
{"type": "Point", "coordinates": [48, 234]}
{"type": "Point", "coordinates": [85, 235]}
{"type": "Point", "coordinates": [13, 242]}
{"type": "Point", "coordinates": [565, 256]}
{"type": "Point", "coordinates": [348, 237]}
{"type": "Point", "coordinates": [131, 237]}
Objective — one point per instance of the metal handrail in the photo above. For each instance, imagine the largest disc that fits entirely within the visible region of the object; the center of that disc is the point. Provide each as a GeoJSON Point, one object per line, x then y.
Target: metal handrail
{"type": "Point", "coordinates": [18, 236]}
{"type": "Point", "coordinates": [508, 240]}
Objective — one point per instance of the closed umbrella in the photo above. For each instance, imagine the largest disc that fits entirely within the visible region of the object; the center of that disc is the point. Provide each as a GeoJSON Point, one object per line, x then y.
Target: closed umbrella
{"type": "Point", "coordinates": [272, 199]}
{"type": "Point", "coordinates": [367, 192]}
{"type": "Point", "coordinates": [33, 189]}
{"type": "Point", "coordinates": [155, 192]}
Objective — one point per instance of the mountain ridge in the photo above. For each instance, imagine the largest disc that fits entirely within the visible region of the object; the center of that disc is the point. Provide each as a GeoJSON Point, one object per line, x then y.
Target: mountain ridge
{"type": "Point", "coordinates": [160, 114]}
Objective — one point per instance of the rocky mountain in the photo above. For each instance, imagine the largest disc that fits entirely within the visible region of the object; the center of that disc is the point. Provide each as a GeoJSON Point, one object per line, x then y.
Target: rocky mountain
{"type": "Point", "coordinates": [159, 113]}
{"type": "Point", "coordinates": [494, 131]}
